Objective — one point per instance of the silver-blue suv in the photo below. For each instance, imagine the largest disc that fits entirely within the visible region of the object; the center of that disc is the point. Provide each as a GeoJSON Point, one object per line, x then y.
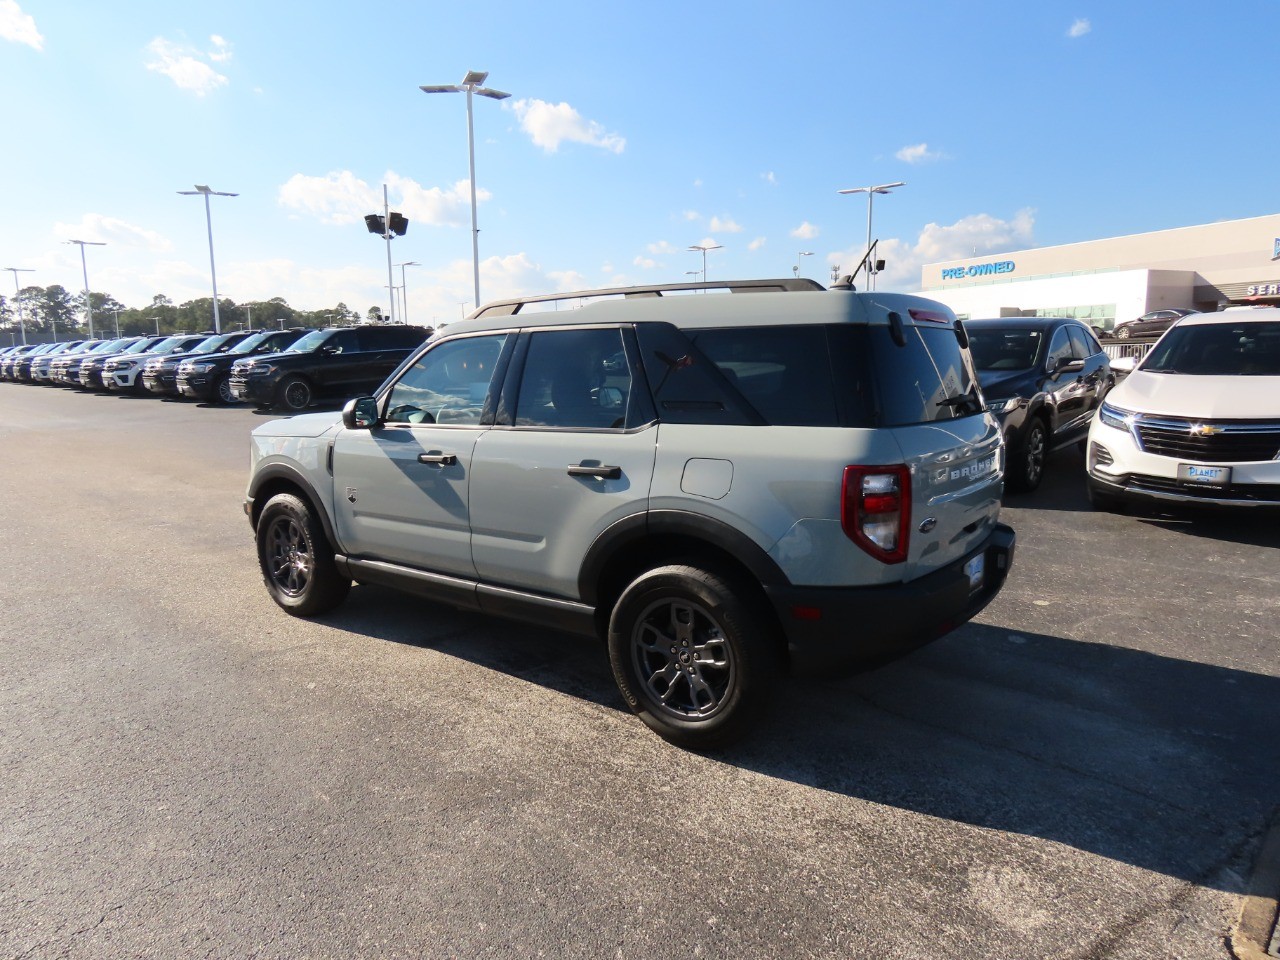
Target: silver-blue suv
{"type": "Point", "coordinates": [720, 485]}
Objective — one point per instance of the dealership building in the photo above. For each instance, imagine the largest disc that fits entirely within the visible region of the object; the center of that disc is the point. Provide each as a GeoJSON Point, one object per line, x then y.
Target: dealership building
{"type": "Point", "coordinates": [1105, 282]}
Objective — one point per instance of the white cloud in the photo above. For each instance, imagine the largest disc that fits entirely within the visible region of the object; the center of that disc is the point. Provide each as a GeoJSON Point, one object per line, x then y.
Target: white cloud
{"type": "Point", "coordinates": [95, 227]}
{"type": "Point", "coordinates": [221, 51]}
{"type": "Point", "coordinates": [691, 215]}
{"type": "Point", "coordinates": [550, 124]}
{"type": "Point", "coordinates": [918, 153]}
{"type": "Point", "coordinates": [660, 248]}
{"type": "Point", "coordinates": [644, 263]}
{"type": "Point", "coordinates": [340, 197]}
{"type": "Point", "coordinates": [183, 66]}
{"type": "Point", "coordinates": [18, 26]}
{"type": "Point", "coordinates": [756, 244]}
{"type": "Point", "coordinates": [976, 235]}
{"type": "Point", "coordinates": [769, 178]}
{"type": "Point", "coordinates": [1079, 28]}
{"type": "Point", "coordinates": [723, 226]}
{"type": "Point", "coordinates": [806, 231]}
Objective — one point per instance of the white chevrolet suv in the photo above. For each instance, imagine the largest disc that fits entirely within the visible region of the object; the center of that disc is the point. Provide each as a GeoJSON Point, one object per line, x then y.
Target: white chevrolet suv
{"type": "Point", "coordinates": [719, 485]}
{"type": "Point", "coordinates": [1198, 419]}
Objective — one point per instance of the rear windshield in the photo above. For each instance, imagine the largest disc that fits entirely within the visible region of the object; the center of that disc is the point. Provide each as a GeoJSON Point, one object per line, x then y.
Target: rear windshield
{"type": "Point", "coordinates": [931, 378]}
{"type": "Point", "coordinates": [1218, 349]}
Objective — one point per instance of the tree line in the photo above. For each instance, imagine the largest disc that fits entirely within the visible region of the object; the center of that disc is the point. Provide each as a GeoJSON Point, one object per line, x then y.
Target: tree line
{"type": "Point", "coordinates": [53, 313]}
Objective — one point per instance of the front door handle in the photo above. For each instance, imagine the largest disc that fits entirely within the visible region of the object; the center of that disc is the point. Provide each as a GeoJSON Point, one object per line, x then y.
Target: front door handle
{"type": "Point", "coordinates": [600, 471]}
{"type": "Point", "coordinates": [436, 457]}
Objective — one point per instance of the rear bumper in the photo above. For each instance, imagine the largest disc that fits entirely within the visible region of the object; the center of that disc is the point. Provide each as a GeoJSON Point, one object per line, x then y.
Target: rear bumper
{"type": "Point", "coordinates": [838, 628]}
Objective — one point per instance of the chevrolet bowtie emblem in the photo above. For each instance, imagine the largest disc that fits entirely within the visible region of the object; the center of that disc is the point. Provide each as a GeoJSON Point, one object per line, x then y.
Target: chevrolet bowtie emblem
{"type": "Point", "coordinates": [1204, 430]}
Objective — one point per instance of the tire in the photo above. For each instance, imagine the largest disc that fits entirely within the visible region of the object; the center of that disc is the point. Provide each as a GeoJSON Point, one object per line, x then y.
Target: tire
{"type": "Point", "coordinates": [692, 654]}
{"type": "Point", "coordinates": [221, 392]}
{"type": "Point", "coordinates": [294, 395]}
{"type": "Point", "coordinates": [1122, 333]}
{"type": "Point", "coordinates": [1027, 469]}
{"type": "Point", "coordinates": [296, 559]}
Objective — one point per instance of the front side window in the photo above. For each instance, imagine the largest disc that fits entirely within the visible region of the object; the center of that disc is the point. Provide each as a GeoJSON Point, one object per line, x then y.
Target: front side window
{"type": "Point", "coordinates": [1083, 344]}
{"type": "Point", "coordinates": [575, 378]}
{"type": "Point", "coordinates": [448, 384]}
{"type": "Point", "coordinates": [1059, 349]}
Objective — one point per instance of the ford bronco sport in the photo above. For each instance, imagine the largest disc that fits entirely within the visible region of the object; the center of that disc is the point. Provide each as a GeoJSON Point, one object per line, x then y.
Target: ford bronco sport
{"type": "Point", "coordinates": [720, 486]}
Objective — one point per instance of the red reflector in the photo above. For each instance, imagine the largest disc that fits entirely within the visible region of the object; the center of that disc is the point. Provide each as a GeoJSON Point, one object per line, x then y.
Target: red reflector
{"type": "Point", "coordinates": [881, 503]}
{"type": "Point", "coordinates": [806, 613]}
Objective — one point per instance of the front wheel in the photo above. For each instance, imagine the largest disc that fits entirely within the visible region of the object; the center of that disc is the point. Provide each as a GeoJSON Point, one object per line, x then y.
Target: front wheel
{"type": "Point", "coordinates": [294, 395]}
{"type": "Point", "coordinates": [222, 391]}
{"type": "Point", "coordinates": [296, 559]}
{"type": "Point", "coordinates": [692, 654]}
{"type": "Point", "coordinates": [1027, 469]}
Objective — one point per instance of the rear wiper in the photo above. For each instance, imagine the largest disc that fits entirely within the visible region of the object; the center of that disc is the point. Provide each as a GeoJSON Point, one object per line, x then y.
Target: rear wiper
{"type": "Point", "coordinates": [962, 400]}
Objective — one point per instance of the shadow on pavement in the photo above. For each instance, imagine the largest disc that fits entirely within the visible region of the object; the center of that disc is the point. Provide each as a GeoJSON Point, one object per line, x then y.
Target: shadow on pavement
{"type": "Point", "coordinates": [1164, 764]}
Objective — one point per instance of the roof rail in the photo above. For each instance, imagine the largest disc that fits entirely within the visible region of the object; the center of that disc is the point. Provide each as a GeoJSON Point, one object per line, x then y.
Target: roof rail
{"type": "Point", "coordinates": [506, 308]}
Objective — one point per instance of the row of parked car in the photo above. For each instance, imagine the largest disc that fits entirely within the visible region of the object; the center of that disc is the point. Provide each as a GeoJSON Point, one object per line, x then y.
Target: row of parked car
{"type": "Point", "coordinates": [287, 370]}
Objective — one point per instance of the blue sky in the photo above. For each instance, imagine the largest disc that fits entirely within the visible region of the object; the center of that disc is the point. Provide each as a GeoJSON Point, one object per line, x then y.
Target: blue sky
{"type": "Point", "coordinates": [633, 131]}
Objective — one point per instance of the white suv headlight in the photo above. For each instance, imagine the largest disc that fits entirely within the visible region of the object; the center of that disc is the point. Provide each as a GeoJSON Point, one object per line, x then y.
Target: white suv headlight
{"type": "Point", "coordinates": [1116, 417]}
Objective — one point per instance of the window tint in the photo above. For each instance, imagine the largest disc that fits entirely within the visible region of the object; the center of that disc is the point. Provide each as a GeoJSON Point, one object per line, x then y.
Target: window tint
{"type": "Point", "coordinates": [1003, 349]}
{"type": "Point", "coordinates": [1083, 346]}
{"type": "Point", "coordinates": [448, 384]}
{"type": "Point", "coordinates": [783, 372]}
{"type": "Point", "coordinates": [574, 378]}
{"type": "Point", "coordinates": [929, 379]}
{"type": "Point", "coordinates": [1059, 349]}
{"type": "Point", "coordinates": [687, 387]}
{"type": "Point", "coordinates": [343, 341]}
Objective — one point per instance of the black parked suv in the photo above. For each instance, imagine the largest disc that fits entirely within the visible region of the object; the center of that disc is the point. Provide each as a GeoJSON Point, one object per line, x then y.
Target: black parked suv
{"type": "Point", "coordinates": [208, 376]}
{"type": "Point", "coordinates": [1043, 378]}
{"type": "Point", "coordinates": [337, 362]}
{"type": "Point", "coordinates": [160, 376]}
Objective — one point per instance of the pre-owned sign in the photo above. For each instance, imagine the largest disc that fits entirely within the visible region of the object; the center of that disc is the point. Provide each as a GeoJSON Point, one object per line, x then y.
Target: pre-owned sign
{"type": "Point", "coordinates": [978, 270]}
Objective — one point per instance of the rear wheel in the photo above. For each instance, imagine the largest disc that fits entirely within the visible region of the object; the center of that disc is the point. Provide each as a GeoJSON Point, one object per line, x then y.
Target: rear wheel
{"type": "Point", "coordinates": [296, 559]}
{"type": "Point", "coordinates": [692, 654]}
{"type": "Point", "coordinates": [1027, 467]}
{"type": "Point", "coordinates": [294, 395]}
{"type": "Point", "coordinates": [1123, 333]}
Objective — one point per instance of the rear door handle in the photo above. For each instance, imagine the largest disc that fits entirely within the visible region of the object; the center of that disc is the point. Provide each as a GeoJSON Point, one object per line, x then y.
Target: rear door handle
{"type": "Point", "coordinates": [602, 472]}
{"type": "Point", "coordinates": [442, 459]}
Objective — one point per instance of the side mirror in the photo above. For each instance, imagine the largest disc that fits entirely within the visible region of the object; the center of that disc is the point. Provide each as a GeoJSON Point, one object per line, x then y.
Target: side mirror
{"type": "Point", "coordinates": [1069, 366]}
{"type": "Point", "coordinates": [1123, 364]}
{"type": "Point", "coordinates": [360, 413]}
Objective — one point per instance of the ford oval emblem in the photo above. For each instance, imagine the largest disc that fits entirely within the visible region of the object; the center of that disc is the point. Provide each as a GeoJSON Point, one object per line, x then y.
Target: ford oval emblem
{"type": "Point", "coordinates": [928, 523]}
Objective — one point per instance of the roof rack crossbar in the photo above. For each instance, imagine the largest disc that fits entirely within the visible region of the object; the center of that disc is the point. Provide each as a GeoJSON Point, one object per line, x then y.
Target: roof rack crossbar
{"type": "Point", "coordinates": [505, 308]}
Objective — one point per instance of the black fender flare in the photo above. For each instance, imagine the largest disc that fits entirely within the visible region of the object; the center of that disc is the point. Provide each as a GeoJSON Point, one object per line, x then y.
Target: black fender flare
{"type": "Point", "coordinates": [296, 478]}
{"type": "Point", "coordinates": [633, 529]}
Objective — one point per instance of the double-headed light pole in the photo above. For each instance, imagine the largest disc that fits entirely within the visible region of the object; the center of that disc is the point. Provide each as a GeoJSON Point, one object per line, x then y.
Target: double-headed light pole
{"type": "Point", "coordinates": [17, 296]}
{"type": "Point", "coordinates": [704, 247]}
{"type": "Point", "coordinates": [208, 219]}
{"type": "Point", "coordinates": [871, 195]}
{"type": "Point", "coordinates": [88, 306]}
{"type": "Point", "coordinates": [471, 83]}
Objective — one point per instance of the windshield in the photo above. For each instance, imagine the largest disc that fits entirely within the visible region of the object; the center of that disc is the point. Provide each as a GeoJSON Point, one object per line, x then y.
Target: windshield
{"type": "Point", "coordinates": [215, 344]}
{"type": "Point", "coordinates": [165, 345]}
{"type": "Point", "coordinates": [140, 347]}
{"type": "Point", "coordinates": [112, 345]}
{"type": "Point", "coordinates": [1004, 349]}
{"type": "Point", "coordinates": [1248, 349]}
{"type": "Point", "coordinates": [248, 344]}
{"type": "Point", "coordinates": [310, 341]}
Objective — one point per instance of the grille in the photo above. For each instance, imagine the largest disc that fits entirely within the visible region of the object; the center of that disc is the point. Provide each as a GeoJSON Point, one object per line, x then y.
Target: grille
{"type": "Point", "coordinates": [1238, 441]}
{"type": "Point", "coordinates": [1259, 492]}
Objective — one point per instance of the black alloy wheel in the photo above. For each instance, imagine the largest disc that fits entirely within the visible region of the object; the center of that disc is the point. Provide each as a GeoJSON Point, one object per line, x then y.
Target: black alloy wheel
{"type": "Point", "coordinates": [296, 559]}
{"type": "Point", "coordinates": [691, 654]}
{"type": "Point", "coordinates": [294, 395]}
{"type": "Point", "coordinates": [1027, 469]}
{"type": "Point", "coordinates": [221, 392]}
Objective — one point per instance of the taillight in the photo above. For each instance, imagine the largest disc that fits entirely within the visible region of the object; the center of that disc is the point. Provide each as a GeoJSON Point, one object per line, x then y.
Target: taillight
{"type": "Point", "coordinates": [875, 510]}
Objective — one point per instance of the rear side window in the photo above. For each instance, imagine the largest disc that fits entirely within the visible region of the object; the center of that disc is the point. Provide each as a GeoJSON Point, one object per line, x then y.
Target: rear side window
{"type": "Point", "coordinates": [929, 379]}
{"type": "Point", "coordinates": [783, 372]}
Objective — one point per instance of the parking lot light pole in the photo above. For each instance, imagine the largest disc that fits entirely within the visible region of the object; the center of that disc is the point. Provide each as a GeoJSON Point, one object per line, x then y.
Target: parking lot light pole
{"type": "Point", "coordinates": [471, 83]}
{"type": "Point", "coordinates": [802, 253]}
{"type": "Point", "coordinates": [17, 296]}
{"type": "Point", "coordinates": [404, 293]}
{"type": "Point", "coordinates": [704, 247]}
{"type": "Point", "coordinates": [871, 193]}
{"type": "Point", "coordinates": [88, 307]}
{"type": "Point", "coordinates": [208, 219]}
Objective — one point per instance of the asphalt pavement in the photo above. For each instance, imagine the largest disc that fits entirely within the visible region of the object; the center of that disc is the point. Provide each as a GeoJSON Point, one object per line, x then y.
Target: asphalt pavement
{"type": "Point", "coordinates": [1086, 772]}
